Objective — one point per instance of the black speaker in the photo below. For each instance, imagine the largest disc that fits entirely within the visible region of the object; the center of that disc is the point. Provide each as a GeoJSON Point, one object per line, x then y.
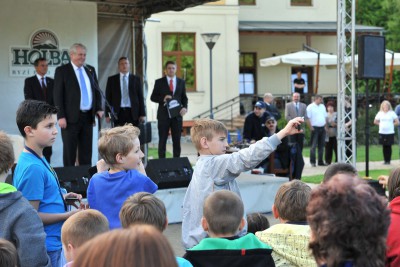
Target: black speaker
{"type": "Point", "coordinates": [170, 173]}
{"type": "Point", "coordinates": [371, 57]}
{"type": "Point", "coordinates": [145, 133]}
{"type": "Point", "coordinates": [74, 179]}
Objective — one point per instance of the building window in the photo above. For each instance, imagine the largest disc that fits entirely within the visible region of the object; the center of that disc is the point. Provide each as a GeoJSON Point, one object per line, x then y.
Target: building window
{"type": "Point", "coordinates": [247, 74]}
{"type": "Point", "coordinates": [180, 47]}
{"type": "Point", "coordinates": [247, 2]}
{"type": "Point", "coordinates": [301, 2]}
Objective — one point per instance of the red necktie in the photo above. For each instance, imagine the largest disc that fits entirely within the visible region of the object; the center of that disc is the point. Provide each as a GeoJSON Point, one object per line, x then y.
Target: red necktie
{"type": "Point", "coordinates": [171, 86]}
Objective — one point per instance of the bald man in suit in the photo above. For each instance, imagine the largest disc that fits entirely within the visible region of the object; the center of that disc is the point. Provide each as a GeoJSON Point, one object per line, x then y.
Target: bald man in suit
{"type": "Point", "coordinates": [40, 87]}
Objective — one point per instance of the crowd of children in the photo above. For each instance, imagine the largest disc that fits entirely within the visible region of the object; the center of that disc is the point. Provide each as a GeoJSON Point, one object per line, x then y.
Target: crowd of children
{"type": "Point", "coordinates": [343, 222]}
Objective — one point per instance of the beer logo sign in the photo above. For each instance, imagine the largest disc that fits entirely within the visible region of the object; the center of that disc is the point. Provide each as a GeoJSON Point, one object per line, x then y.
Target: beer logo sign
{"type": "Point", "coordinates": [43, 43]}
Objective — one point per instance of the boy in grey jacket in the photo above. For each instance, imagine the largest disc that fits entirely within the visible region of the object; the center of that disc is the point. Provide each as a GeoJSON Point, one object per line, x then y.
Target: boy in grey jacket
{"type": "Point", "coordinates": [216, 170]}
{"type": "Point", "coordinates": [19, 222]}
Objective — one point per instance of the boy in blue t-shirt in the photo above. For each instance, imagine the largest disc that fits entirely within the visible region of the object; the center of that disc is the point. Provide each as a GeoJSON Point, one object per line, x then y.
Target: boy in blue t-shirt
{"type": "Point", "coordinates": [35, 178]}
{"type": "Point", "coordinates": [107, 190]}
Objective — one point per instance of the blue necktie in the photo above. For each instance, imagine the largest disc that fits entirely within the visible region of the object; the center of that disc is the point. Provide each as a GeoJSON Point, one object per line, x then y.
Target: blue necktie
{"type": "Point", "coordinates": [125, 95]}
{"type": "Point", "coordinates": [84, 91]}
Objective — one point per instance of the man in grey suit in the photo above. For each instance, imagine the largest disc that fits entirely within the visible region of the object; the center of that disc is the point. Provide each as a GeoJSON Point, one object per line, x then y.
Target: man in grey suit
{"type": "Point", "coordinates": [292, 110]}
{"type": "Point", "coordinates": [125, 94]}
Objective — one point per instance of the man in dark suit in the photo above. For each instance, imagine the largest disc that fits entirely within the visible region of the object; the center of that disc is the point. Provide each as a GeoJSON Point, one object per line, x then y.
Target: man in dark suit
{"type": "Point", "coordinates": [40, 87]}
{"type": "Point", "coordinates": [125, 95]}
{"type": "Point", "coordinates": [270, 107]}
{"type": "Point", "coordinates": [296, 109]}
{"type": "Point", "coordinates": [78, 100]}
{"type": "Point", "coordinates": [165, 89]}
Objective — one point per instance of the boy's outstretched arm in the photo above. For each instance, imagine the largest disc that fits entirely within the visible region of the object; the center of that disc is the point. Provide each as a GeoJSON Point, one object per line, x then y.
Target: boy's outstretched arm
{"type": "Point", "coordinates": [50, 218]}
{"type": "Point", "coordinates": [292, 127]}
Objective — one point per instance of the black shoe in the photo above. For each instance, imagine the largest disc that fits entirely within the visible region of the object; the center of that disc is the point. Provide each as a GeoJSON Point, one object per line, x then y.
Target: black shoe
{"type": "Point", "coordinates": [322, 164]}
{"type": "Point", "coordinates": [313, 165]}
{"type": "Point", "coordinates": [386, 163]}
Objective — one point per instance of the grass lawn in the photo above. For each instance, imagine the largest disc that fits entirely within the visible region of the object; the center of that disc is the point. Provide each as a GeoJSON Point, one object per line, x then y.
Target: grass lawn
{"type": "Point", "coordinates": [152, 153]}
{"type": "Point", "coordinates": [316, 179]}
{"type": "Point", "coordinates": [375, 153]}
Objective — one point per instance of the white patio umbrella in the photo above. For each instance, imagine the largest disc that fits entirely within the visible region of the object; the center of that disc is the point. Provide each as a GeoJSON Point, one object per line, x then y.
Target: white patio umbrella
{"type": "Point", "coordinates": [388, 60]}
{"type": "Point", "coordinates": [300, 58]}
{"type": "Point", "coordinates": [305, 58]}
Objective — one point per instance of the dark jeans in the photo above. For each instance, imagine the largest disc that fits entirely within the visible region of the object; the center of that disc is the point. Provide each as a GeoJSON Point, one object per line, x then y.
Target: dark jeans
{"type": "Point", "coordinates": [387, 153]}
{"type": "Point", "coordinates": [330, 147]}
{"type": "Point", "coordinates": [175, 124]}
{"type": "Point", "coordinates": [297, 139]}
{"type": "Point", "coordinates": [317, 139]}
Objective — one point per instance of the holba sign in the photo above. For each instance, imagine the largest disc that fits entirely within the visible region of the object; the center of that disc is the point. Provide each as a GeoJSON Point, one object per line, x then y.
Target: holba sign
{"type": "Point", "coordinates": [43, 43]}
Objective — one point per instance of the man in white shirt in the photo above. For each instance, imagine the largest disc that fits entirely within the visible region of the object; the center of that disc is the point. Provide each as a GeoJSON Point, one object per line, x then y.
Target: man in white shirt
{"type": "Point", "coordinates": [316, 120]}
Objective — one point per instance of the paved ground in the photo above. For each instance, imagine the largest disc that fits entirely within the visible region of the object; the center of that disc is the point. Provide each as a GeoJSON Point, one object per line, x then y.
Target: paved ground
{"type": "Point", "coordinates": [173, 231]}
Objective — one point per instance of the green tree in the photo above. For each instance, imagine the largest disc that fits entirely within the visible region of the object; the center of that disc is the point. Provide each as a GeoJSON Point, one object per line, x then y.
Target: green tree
{"type": "Point", "coordinates": [382, 13]}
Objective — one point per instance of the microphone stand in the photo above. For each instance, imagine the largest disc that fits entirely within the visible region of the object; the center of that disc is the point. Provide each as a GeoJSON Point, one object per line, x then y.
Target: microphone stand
{"type": "Point", "coordinates": [112, 114]}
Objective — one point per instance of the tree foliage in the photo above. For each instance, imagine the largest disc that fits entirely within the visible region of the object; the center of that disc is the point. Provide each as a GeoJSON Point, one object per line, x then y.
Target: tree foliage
{"type": "Point", "coordinates": [383, 13]}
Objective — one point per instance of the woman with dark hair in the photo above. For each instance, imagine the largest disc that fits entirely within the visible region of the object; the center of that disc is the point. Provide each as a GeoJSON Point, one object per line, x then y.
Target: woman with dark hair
{"type": "Point", "coordinates": [393, 239]}
{"type": "Point", "coordinates": [331, 133]}
{"type": "Point", "coordinates": [349, 223]}
{"type": "Point", "coordinates": [138, 246]}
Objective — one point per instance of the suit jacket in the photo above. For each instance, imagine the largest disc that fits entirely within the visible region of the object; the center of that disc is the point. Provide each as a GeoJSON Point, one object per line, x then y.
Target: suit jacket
{"type": "Point", "coordinates": [161, 89]}
{"type": "Point", "coordinates": [290, 111]}
{"type": "Point", "coordinates": [33, 89]}
{"type": "Point", "coordinates": [67, 93]}
{"type": "Point", "coordinates": [273, 111]}
{"type": "Point", "coordinates": [113, 95]}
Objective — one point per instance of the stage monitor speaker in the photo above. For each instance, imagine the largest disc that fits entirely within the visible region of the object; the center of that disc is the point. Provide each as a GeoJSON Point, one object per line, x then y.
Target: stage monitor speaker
{"type": "Point", "coordinates": [145, 133]}
{"type": "Point", "coordinates": [74, 179]}
{"type": "Point", "coordinates": [371, 57]}
{"type": "Point", "coordinates": [170, 173]}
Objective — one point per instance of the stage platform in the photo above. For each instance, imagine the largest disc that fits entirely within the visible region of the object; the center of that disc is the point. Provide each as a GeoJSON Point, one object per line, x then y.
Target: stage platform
{"type": "Point", "coordinates": [258, 193]}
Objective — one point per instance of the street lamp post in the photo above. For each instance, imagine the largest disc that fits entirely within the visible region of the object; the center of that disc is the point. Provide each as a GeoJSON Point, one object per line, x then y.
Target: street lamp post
{"type": "Point", "coordinates": [210, 39]}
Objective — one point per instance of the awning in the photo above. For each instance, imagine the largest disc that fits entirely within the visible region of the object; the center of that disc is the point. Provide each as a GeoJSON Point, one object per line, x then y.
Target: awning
{"type": "Point", "coordinates": [141, 8]}
{"type": "Point", "coordinates": [300, 27]}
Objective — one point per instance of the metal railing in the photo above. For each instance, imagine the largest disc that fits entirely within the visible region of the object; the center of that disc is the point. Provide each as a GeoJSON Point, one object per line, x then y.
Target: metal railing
{"type": "Point", "coordinates": [225, 111]}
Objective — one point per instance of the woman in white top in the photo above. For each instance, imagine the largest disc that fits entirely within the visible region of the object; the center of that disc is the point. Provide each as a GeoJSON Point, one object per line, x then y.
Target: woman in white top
{"type": "Point", "coordinates": [386, 119]}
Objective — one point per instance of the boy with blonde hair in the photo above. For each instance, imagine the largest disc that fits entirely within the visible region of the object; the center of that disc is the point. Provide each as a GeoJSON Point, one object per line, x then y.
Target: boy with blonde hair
{"type": "Point", "coordinates": [289, 239]}
{"type": "Point", "coordinates": [8, 254]}
{"type": "Point", "coordinates": [222, 220]}
{"type": "Point", "coordinates": [145, 208]}
{"type": "Point", "coordinates": [216, 170]}
{"type": "Point", "coordinates": [80, 228]}
{"type": "Point", "coordinates": [107, 191]}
